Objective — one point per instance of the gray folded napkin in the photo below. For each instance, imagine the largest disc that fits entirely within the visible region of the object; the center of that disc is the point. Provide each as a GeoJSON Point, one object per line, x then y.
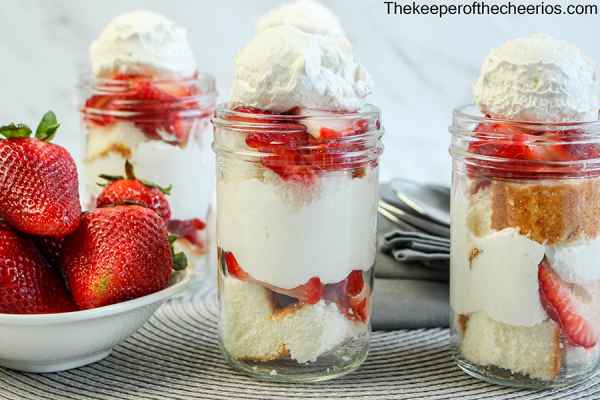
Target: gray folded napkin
{"type": "Point", "coordinates": [411, 278]}
{"type": "Point", "coordinates": [415, 246]}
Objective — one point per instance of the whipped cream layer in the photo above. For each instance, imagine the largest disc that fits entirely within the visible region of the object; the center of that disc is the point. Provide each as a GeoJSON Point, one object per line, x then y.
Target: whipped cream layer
{"type": "Point", "coordinates": [142, 40]}
{"type": "Point", "coordinates": [284, 67]}
{"type": "Point", "coordinates": [538, 78]}
{"type": "Point", "coordinates": [577, 263]}
{"type": "Point", "coordinates": [289, 233]}
{"type": "Point", "coordinates": [495, 273]}
{"type": "Point", "coordinates": [190, 170]}
{"type": "Point", "coordinates": [309, 16]}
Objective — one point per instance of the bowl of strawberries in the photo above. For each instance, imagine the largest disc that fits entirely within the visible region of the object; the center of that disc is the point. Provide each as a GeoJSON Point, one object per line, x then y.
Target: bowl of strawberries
{"type": "Point", "coordinates": [75, 284]}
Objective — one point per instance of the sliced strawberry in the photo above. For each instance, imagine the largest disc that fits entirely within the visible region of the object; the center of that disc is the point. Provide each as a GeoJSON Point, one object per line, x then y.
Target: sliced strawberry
{"type": "Point", "coordinates": [233, 267]}
{"type": "Point", "coordinates": [104, 105]}
{"type": "Point", "coordinates": [251, 119]}
{"type": "Point", "coordinates": [274, 141]}
{"type": "Point", "coordinates": [557, 299]}
{"type": "Point", "coordinates": [360, 308]}
{"type": "Point", "coordinates": [189, 229]}
{"type": "Point", "coordinates": [351, 296]}
{"type": "Point", "coordinates": [176, 88]}
{"type": "Point", "coordinates": [300, 150]}
{"type": "Point", "coordinates": [154, 107]}
{"type": "Point", "coordinates": [336, 293]}
{"type": "Point", "coordinates": [310, 293]}
{"type": "Point", "coordinates": [355, 283]}
{"type": "Point", "coordinates": [519, 146]}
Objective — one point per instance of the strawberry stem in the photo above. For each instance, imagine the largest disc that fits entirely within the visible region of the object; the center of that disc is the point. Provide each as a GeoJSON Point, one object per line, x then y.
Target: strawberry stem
{"type": "Point", "coordinates": [130, 174]}
{"type": "Point", "coordinates": [129, 171]}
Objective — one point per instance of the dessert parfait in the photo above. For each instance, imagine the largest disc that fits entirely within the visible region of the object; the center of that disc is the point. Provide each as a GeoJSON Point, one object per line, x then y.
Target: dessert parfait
{"type": "Point", "coordinates": [146, 103]}
{"type": "Point", "coordinates": [297, 154]}
{"type": "Point", "coordinates": [525, 258]}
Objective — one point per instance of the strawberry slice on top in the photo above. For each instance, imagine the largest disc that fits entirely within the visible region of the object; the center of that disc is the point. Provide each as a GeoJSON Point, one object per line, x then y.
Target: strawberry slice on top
{"type": "Point", "coordinates": [300, 149]}
{"type": "Point", "coordinates": [518, 147]}
{"type": "Point", "coordinates": [559, 303]}
{"type": "Point", "coordinates": [156, 107]}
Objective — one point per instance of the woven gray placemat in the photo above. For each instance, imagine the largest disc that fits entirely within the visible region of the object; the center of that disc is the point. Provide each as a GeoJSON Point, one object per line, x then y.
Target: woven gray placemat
{"type": "Point", "coordinates": [176, 356]}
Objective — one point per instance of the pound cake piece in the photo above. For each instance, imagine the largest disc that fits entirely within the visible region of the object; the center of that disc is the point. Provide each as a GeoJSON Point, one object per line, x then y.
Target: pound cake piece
{"type": "Point", "coordinates": [533, 351]}
{"type": "Point", "coordinates": [549, 213]}
{"type": "Point", "coordinates": [257, 328]}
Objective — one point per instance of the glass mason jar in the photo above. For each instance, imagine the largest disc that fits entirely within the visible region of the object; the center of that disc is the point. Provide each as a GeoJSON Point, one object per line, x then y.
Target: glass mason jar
{"type": "Point", "coordinates": [161, 127]}
{"type": "Point", "coordinates": [525, 254]}
{"type": "Point", "coordinates": [296, 231]}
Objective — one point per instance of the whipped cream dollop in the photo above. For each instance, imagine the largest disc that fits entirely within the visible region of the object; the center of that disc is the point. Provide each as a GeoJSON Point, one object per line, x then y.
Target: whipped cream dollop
{"type": "Point", "coordinates": [284, 67]}
{"type": "Point", "coordinates": [506, 289]}
{"type": "Point", "coordinates": [538, 78]}
{"type": "Point", "coordinates": [142, 40]}
{"type": "Point", "coordinates": [309, 16]}
{"type": "Point", "coordinates": [577, 263]}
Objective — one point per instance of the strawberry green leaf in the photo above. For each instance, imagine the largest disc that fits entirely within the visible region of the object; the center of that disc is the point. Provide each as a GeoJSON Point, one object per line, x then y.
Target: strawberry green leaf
{"type": "Point", "coordinates": [47, 127]}
{"type": "Point", "coordinates": [110, 178]}
{"type": "Point", "coordinates": [165, 190]}
{"type": "Point", "coordinates": [14, 131]}
{"type": "Point", "coordinates": [130, 174]}
{"type": "Point", "coordinates": [179, 261]}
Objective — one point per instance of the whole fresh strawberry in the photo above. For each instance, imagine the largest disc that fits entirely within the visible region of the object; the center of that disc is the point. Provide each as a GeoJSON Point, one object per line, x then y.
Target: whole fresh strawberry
{"type": "Point", "coordinates": [129, 189]}
{"type": "Point", "coordinates": [28, 283]}
{"type": "Point", "coordinates": [38, 181]}
{"type": "Point", "coordinates": [116, 254]}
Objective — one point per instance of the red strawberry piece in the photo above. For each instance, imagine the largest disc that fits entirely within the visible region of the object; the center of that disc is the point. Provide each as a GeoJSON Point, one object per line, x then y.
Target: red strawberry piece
{"type": "Point", "coordinates": [129, 189]}
{"type": "Point", "coordinates": [557, 299]}
{"type": "Point", "coordinates": [520, 145]}
{"type": "Point", "coordinates": [233, 267]}
{"type": "Point", "coordinates": [97, 110]}
{"type": "Point", "coordinates": [310, 293]}
{"type": "Point", "coordinates": [189, 229]}
{"type": "Point", "coordinates": [39, 192]}
{"type": "Point", "coordinates": [250, 118]}
{"type": "Point", "coordinates": [355, 283]}
{"type": "Point", "coordinates": [155, 107]}
{"type": "Point", "coordinates": [351, 296]}
{"type": "Point", "coordinates": [360, 308]}
{"type": "Point", "coordinates": [175, 88]}
{"type": "Point", "coordinates": [28, 283]}
{"type": "Point", "coordinates": [298, 150]}
{"type": "Point", "coordinates": [117, 254]}
{"type": "Point", "coordinates": [506, 141]}
{"type": "Point", "coordinates": [271, 142]}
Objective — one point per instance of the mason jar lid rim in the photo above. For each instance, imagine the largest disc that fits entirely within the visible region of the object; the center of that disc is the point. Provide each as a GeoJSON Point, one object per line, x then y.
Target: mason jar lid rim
{"type": "Point", "coordinates": [369, 111]}
{"type": "Point", "coordinates": [88, 79]}
{"type": "Point", "coordinates": [471, 113]}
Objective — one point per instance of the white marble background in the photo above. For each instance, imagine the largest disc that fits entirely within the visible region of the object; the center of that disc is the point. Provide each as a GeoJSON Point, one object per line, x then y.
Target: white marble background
{"type": "Point", "coordinates": [423, 66]}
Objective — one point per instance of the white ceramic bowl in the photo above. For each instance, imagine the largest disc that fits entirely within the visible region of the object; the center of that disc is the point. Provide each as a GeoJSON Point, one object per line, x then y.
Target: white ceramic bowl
{"type": "Point", "coordinates": [58, 342]}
